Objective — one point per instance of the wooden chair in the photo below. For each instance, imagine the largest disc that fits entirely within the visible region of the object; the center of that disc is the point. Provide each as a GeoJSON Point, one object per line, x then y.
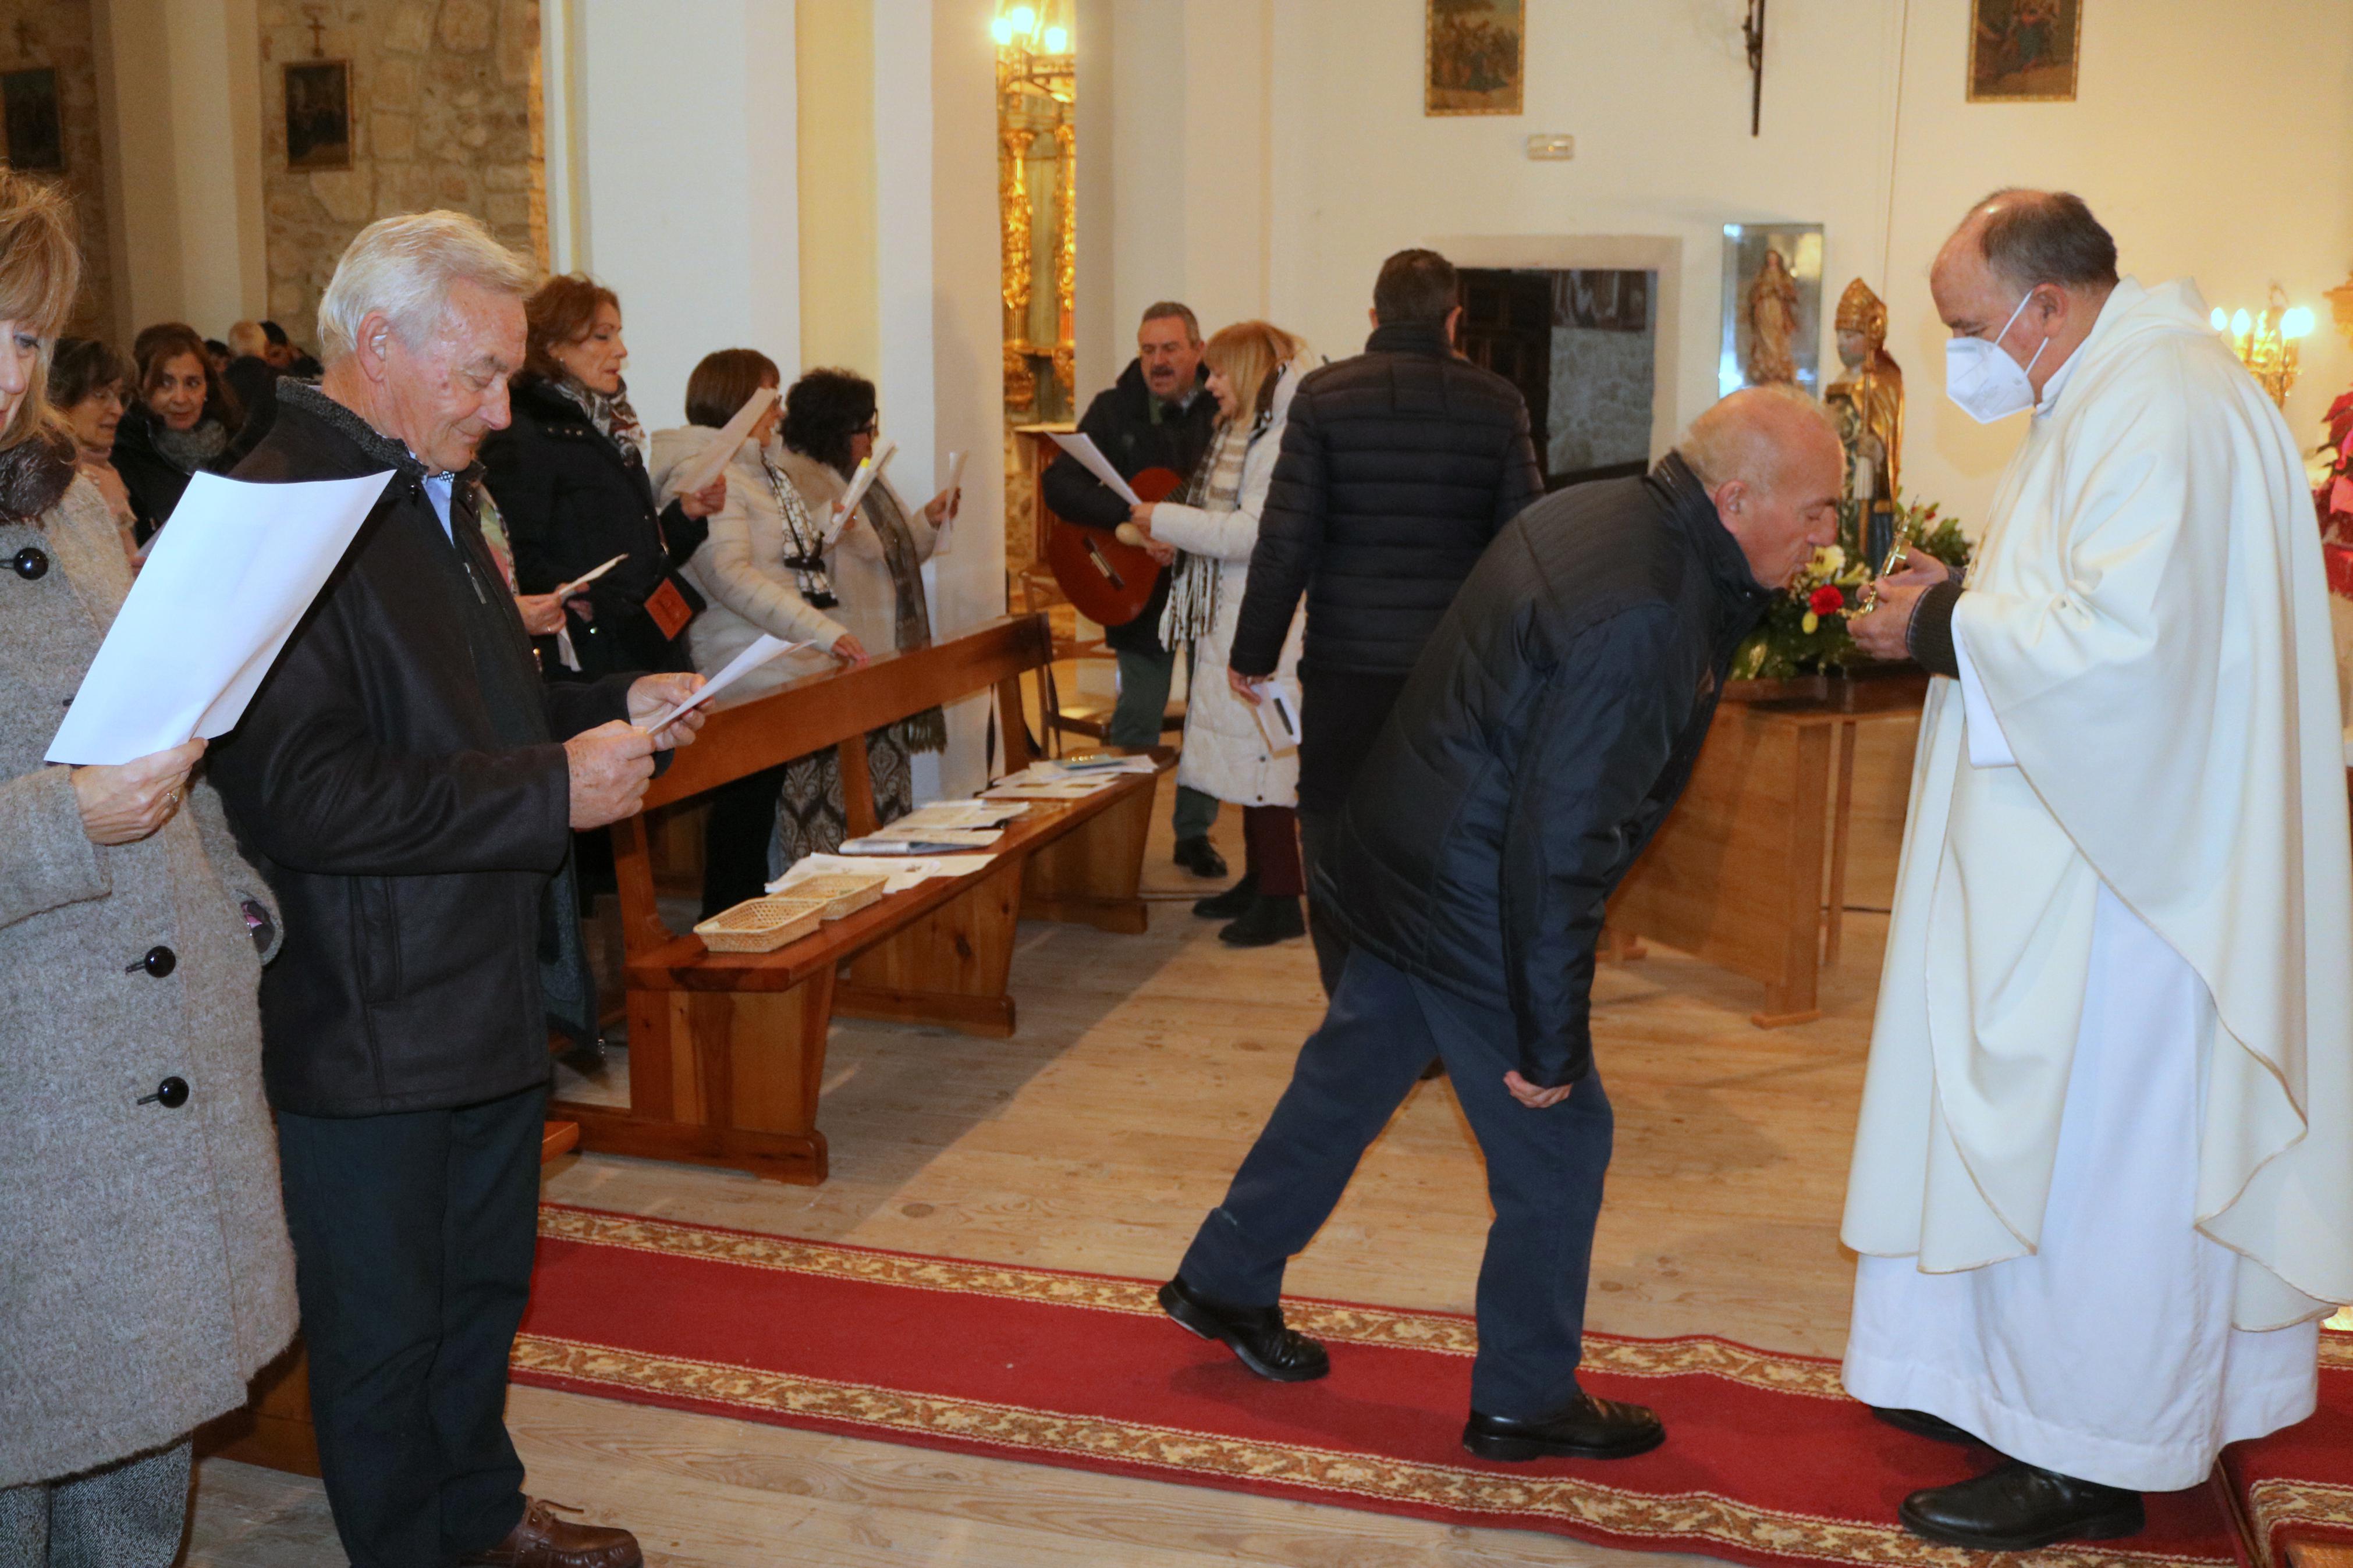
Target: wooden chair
{"type": "Point", "coordinates": [727, 1050]}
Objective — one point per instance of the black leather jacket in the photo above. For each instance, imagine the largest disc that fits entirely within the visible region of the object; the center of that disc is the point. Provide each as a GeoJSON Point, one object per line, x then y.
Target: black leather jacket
{"type": "Point", "coordinates": [400, 781]}
{"type": "Point", "coordinates": [1540, 740]}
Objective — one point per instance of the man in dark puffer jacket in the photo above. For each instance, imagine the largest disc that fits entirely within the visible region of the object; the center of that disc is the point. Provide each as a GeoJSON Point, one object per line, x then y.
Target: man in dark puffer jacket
{"type": "Point", "coordinates": [1397, 467]}
{"type": "Point", "coordinates": [1545, 732]}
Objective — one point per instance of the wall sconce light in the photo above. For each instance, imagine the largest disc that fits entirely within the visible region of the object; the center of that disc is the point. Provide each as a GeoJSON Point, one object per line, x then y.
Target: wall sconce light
{"type": "Point", "coordinates": [2267, 342]}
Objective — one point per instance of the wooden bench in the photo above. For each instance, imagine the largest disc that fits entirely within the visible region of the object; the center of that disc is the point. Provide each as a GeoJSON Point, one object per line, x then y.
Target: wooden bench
{"type": "Point", "coordinates": [727, 1050]}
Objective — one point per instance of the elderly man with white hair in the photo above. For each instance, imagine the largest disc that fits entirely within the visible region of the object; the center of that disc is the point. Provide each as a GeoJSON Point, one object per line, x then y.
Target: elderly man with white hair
{"type": "Point", "coordinates": [410, 787]}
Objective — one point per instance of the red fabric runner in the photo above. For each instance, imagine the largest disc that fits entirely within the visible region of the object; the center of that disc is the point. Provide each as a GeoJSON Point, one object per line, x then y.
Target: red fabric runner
{"type": "Point", "coordinates": [1767, 1462]}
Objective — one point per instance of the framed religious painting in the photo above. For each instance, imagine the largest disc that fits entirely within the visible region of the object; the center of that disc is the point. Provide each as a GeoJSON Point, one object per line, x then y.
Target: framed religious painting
{"type": "Point", "coordinates": [2025, 52]}
{"type": "Point", "coordinates": [1474, 55]}
{"type": "Point", "coordinates": [37, 138]}
{"type": "Point", "coordinates": [319, 115]}
{"type": "Point", "coordinates": [1772, 306]}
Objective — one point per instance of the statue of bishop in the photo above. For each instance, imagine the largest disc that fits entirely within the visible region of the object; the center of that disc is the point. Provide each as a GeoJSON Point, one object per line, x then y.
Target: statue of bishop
{"type": "Point", "coordinates": [1869, 403]}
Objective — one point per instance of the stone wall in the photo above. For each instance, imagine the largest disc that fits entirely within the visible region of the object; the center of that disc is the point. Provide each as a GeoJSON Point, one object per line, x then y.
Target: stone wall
{"type": "Point", "coordinates": [445, 113]}
{"type": "Point", "coordinates": [57, 34]}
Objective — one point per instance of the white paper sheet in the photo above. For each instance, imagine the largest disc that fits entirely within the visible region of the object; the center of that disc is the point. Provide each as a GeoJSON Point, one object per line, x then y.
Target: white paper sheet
{"type": "Point", "coordinates": [896, 840]}
{"type": "Point", "coordinates": [742, 665]}
{"type": "Point", "coordinates": [699, 470]}
{"type": "Point", "coordinates": [903, 871]}
{"type": "Point", "coordinates": [565, 590]}
{"type": "Point", "coordinates": [1278, 715]}
{"type": "Point", "coordinates": [1091, 458]}
{"type": "Point", "coordinates": [868, 470]}
{"type": "Point", "coordinates": [942, 540]}
{"type": "Point", "coordinates": [219, 595]}
{"type": "Point", "coordinates": [961, 814]}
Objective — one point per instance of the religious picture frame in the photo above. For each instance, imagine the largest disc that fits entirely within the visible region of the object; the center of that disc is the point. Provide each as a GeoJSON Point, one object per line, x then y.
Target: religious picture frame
{"type": "Point", "coordinates": [1772, 306]}
{"type": "Point", "coordinates": [29, 101]}
{"type": "Point", "coordinates": [2025, 52]}
{"type": "Point", "coordinates": [1474, 56]}
{"type": "Point", "coordinates": [318, 115]}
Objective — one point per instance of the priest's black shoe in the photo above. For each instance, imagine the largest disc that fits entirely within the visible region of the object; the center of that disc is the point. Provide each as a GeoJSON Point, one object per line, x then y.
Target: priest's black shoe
{"type": "Point", "coordinates": [1921, 1423]}
{"type": "Point", "coordinates": [2018, 1508]}
{"type": "Point", "coordinates": [1255, 1334]}
{"type": "Point", "coordinates": [1200, 856]}
{"type": "Point", "coordinates": [1234, 900]}
{"type": "Point", "coordinates": [1590, 1429]}
{"type": "Point", "coordinates": [1267, 921]}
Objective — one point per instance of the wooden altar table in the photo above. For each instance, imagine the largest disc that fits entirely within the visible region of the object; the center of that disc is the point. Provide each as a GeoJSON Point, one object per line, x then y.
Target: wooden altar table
{"type": "Point", "coordinates": [1749, 870]}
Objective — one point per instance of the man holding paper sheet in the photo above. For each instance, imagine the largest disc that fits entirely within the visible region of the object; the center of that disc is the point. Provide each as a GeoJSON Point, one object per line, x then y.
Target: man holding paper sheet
{"type": "Point", "coordinates": [1158, 415]}
{"type": "Point", "coordinates": [409, 785]}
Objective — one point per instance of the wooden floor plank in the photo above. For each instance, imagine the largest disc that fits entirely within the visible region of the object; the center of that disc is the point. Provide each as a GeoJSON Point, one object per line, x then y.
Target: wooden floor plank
{"type": "Point", "coordinates": [1095, 1138]}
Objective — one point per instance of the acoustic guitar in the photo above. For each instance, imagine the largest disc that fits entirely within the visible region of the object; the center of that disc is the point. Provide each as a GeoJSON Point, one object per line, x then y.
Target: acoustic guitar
{"type": "Point", "coordinates": [1110, 581]}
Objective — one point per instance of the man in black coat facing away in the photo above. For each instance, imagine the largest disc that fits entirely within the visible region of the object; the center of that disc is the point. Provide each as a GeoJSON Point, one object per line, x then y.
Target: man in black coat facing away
{"type": "Point", "coordinates": [1397, 467]}
{"type": "Point", "coordinates": [1158, 415]}
{"type": "Point", "coordinates": [409, 785]}
{"type": "Point", "coordinates": [1543, 735]}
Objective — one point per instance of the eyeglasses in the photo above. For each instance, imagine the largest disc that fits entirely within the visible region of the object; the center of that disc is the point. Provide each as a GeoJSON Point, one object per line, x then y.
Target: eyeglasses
{"type": "Point", "coordinates": [873, 425]}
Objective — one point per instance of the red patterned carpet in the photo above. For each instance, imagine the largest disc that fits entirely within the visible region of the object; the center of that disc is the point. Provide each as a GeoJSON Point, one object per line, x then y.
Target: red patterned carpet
{"type": "Point", "coordinates": [1767, 1462]}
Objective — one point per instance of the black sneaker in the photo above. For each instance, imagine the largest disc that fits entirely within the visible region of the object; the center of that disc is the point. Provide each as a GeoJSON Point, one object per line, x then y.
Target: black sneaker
{"type": "Point", "coordinates": [1200, 856]}
{"type": "Point", "coordinates": [1234, 900]}
{"type": "Point", "coordinates": [1267, 922]}
{"type": "Point", "coordinates": [1255, 1334]}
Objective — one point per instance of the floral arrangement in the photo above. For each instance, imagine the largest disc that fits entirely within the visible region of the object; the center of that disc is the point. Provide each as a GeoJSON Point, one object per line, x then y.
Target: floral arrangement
{"type": "Point", "coordinates": [1804, 630]}
{"type": "Point", "coordinates": [2332, 495]}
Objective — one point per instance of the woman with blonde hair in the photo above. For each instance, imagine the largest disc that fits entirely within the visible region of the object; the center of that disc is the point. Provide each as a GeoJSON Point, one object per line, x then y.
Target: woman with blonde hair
{"type": "Point", "coordinates": [148, 1271]}
{"type": "Point", "coordinates": [1254, 368]}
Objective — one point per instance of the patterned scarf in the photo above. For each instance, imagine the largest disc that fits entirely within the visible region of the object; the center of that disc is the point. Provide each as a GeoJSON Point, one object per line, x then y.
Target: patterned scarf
{"type": "Point", "coordinates": [1193, 592]}
{"type": "Point", "coordinates": [927, 730]}
{"type": "Point", "coordinates": [804, 539]}
{"type": "Point", "coordinates": [610, 412]}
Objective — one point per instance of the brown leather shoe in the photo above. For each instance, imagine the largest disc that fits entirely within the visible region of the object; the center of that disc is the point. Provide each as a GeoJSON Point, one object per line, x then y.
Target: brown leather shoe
{"type": "Point", "coordinates": [543, 1541]}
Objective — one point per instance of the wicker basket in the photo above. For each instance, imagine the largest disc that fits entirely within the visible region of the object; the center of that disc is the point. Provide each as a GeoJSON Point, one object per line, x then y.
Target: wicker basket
{"type": "Point", "coordinates": [761, 925]}
{"type": "Point", "coordinates": [841, 893]}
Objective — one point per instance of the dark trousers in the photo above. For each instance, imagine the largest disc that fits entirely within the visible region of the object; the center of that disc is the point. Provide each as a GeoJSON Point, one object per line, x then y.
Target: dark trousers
{"type": "Point", "coordinates": [735, 837]}
{"type": "Point", "coordinates": [1544, 1176]}
{"type": "Point", "coordinates": [413, 1241]}
{"type": "Point", "coordinates": [1318, 831]}
{"type": "Point", "coordinates": [1271, 848]}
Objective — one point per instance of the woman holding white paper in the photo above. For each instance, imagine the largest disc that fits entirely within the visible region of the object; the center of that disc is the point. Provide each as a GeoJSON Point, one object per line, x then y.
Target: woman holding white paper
{"type": "Point", "coordinates": [763, 569]}
{"type": "Point", "coordinates": [874, 568]}
{"type": "Point", "coordinates": [1254, 368]}
{"type": "Point", "coordinates": [139, 1190]}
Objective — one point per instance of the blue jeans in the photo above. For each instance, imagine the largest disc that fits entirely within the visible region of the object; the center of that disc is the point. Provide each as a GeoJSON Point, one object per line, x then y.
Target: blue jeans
{"type": "Point", "coordinates": [1144, 681]}
{"type": "Point", "coordinates": [1544, 1175]}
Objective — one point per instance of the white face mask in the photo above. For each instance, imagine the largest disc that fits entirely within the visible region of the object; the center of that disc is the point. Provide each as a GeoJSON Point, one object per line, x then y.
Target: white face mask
{"type": "Point", "coordinates": [1981, 377]}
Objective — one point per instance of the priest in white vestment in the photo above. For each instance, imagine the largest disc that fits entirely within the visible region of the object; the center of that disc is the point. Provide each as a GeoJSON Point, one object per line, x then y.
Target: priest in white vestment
{"type": "Point", "coordinates": [2102, 1183]}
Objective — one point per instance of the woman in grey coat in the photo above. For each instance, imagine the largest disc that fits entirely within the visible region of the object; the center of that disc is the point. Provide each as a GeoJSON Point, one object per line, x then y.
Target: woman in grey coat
{"type": "Point", "coordinates": [144, 1270]}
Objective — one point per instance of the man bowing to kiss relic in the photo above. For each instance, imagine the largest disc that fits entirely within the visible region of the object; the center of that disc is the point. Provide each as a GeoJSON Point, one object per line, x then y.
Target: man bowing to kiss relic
{"type": "Point", "coordinates": [2103, 1185]}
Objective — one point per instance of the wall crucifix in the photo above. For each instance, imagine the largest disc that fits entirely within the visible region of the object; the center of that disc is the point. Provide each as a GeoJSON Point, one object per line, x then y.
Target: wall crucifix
{"type": "Point", "coordinates": [1752, 30]}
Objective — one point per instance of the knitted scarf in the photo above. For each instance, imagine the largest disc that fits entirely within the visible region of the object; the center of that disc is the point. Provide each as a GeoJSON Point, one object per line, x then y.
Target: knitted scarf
{"type": "Point", "coordinates": [1192, 609]}
{"type": "Point", "coordinates": [927, 730]}
{"type": "Point", "coordinates": [188, 450]}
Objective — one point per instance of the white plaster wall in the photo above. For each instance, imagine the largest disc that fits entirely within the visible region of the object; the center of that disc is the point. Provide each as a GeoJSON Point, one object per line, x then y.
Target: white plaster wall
{"type": "Point", "coordinates": [683, 137]}
{"type": "Point", "coordinates": [180, 91]}
{"type": "Point", "coordinates": [2200, 163]}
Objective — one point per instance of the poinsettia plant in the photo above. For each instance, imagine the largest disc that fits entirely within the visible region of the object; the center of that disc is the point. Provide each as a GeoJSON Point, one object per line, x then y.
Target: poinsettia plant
{"type": "Point", "coordinates": [1804, 630]}
{"type": "Point", "coordinates": [2332, 495]}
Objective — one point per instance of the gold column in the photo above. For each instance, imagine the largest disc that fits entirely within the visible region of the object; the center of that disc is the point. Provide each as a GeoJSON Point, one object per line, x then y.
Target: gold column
{"type": "Point", "coordinates": [1066, 252]}
{"type": "Point", "coordinates": [1013, 203]}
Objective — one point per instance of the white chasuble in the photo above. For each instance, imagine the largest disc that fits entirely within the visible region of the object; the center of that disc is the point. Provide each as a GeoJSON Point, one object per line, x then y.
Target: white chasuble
{"type": "Point", "coordinates": [2115, 995]}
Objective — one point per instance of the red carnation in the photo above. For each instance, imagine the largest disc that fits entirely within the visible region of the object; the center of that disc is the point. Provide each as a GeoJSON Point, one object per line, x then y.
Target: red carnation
{"type": "Point", "coordinates": [1826, 600]}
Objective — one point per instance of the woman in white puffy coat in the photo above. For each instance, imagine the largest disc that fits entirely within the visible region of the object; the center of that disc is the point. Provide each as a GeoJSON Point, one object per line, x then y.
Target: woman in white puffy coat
{"type": "Point", "coordinates": [1254, 368]}
{"type": "Point", "coordinates": [760, 569]}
